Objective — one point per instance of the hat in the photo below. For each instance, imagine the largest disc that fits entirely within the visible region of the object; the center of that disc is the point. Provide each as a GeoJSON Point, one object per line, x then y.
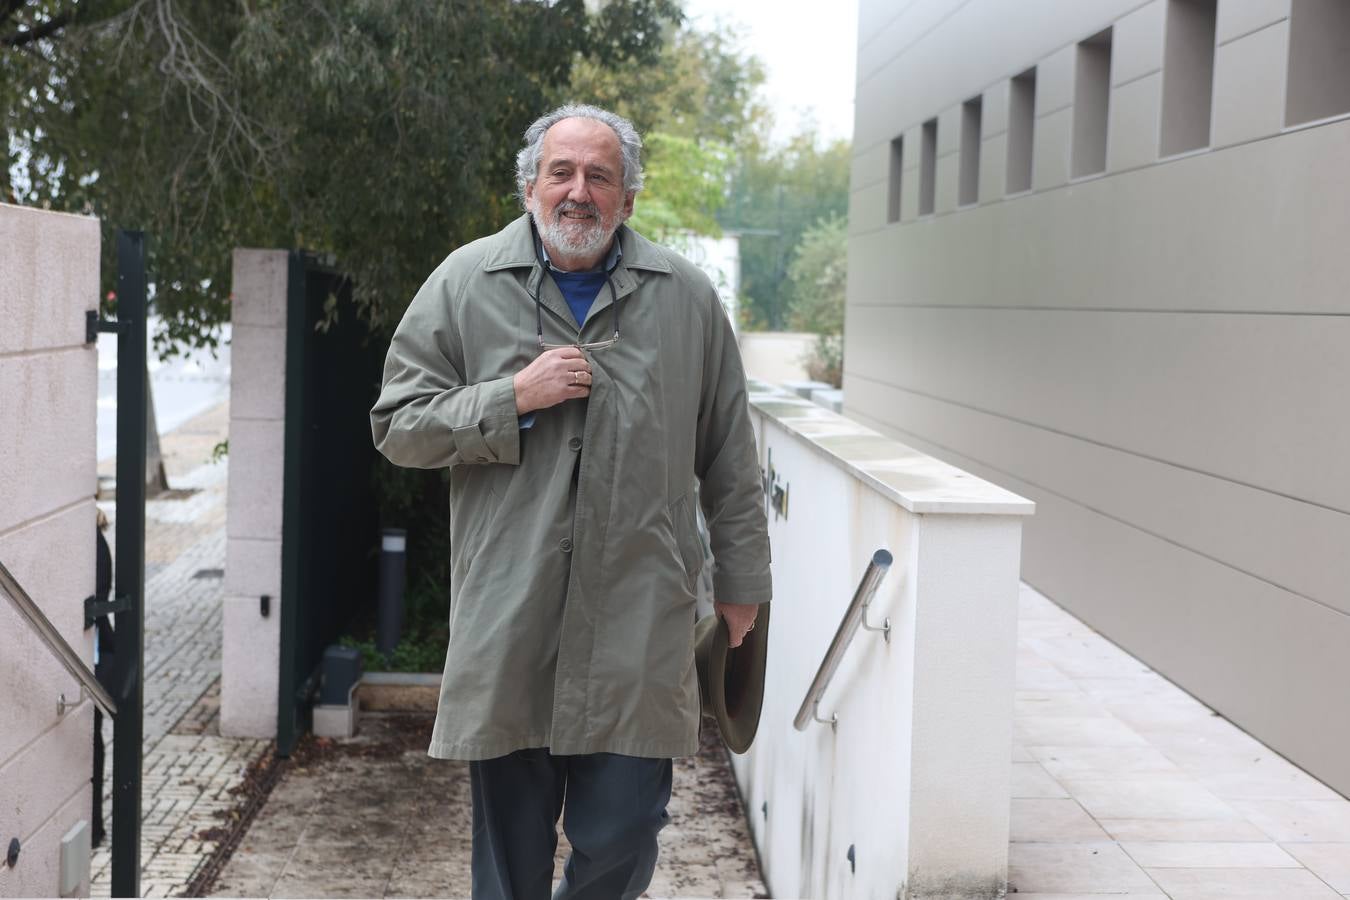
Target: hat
{"type": "Point", "coordinates": [731, 680]}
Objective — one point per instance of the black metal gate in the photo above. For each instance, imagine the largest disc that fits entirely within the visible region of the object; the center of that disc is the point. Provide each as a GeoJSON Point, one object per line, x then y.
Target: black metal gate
{"type": "Point", "coordinates": [124, 667]}
{"type": "Point", "coordinates": [330, 529]}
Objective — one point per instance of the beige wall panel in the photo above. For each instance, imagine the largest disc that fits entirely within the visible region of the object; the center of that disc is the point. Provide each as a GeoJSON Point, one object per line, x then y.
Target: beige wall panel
{"type": "Point", "coordinates": [993, 167]}
{"type": "Point", "coordinates": [47, 463]}
{"type": "Point", "coordinates": [1050, 157]}
{"type": "Point", "coordinates": [258, 360]}
{"type": "Point", "coordinates": [1271, 662]}
{"type": "Point", "coordinates": [909, 196]}
{"type": "Point", "coordinates": [1137, 43]}
{"type": "Point", "coordinates": [867, 208]}
{"type": "Point", "coordinates": [259, 287]}
{"type": "Point", "coordinates": [1054, 80]}
{"type": "Point", "coordinates": [1249, 80]}
{"type": "Point", "coordinates": [994, 110]}
{"type": "Point", "coordinates": [949, 130]}
{"type": "Point", "coordinates": [1256, 399]}
{"type": "Point", "coordinates": [894, 26]}
{"type": "Point", "coordinates": [27, 668]}
{"type": "Point", "coordinates": [1107, 243]}
{"type": "Point", "coordinates": [257, 447]}
{"type": "Point", "coordinates": [1135, 111]}
{"type": "Point", "coordinates": [1240, 17]}
{"type": "Point", "coordinates": [1296, 546]}
{"type": "Point", "coordinates": [872, 166]}
{"type": "Point", "coordinates": [913, 139]}
{"type": "Point", "coordinates": [41, 302]}
{"type": "Point", "coordinates": [942, 53]}
{"type": "Point", "coordinates": [948, 172]}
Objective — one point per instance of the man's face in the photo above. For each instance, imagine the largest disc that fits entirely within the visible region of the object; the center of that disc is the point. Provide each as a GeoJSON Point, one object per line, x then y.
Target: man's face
{"type": "Point", "coordinates": [577, 198]}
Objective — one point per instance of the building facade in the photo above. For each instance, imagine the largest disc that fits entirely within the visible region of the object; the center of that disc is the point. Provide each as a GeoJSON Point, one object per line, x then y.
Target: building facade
{"type": "Point", "coordinates": [1097, 256]}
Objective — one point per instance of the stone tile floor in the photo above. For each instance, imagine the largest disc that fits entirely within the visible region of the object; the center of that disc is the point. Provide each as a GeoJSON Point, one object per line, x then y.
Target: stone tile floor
{"type": "Point", "coordinates": [376, 817]}
{"type": "Point", "coordinates": [1124, 784]}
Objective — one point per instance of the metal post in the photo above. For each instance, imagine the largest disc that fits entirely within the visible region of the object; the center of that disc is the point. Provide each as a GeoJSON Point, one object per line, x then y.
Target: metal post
{"type": "Point", "coordinates": [128, 666]}
{"type": "Point", "coordinates": [393, 578]}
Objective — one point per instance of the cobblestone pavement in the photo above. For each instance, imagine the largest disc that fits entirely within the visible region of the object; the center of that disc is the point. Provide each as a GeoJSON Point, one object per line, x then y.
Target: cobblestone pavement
{"type": "Point", "coordinates": [188, 768]}
{"type": "Point", "coordinates": [376, 817]}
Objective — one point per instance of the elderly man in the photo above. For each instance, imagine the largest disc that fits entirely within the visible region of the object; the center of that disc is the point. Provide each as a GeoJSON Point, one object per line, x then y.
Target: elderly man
{"type": "Point", "coordinates": [585, 388]}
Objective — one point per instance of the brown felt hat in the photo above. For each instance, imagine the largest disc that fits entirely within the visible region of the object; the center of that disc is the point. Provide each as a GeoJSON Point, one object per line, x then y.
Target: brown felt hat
{"type": "Point", "coordinates": [731, 680]}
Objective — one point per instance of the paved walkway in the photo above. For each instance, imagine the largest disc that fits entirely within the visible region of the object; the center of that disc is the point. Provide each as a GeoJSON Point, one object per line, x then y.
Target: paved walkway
{"type": "Point", "coordinates": [189, 771]}
{"type": "Point", "coordinates": [377, 817]}
{"type": "Point", "coordinates": [1125, 784]}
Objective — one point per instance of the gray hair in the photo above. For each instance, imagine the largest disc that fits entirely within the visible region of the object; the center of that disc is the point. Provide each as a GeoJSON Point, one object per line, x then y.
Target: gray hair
{"type": "Point", "coordinates": [630, 144]}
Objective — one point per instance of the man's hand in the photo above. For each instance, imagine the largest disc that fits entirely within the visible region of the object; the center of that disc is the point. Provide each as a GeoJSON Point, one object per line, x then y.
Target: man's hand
{"type": "Point", "coordinates": [555, 376]}
{"type": "Point", "coordinates": [740, 618]}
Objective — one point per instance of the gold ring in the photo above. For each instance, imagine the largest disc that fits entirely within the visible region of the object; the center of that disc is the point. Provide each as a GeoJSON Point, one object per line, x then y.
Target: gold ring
{"type": "Point", "coordinates": [574, 376]}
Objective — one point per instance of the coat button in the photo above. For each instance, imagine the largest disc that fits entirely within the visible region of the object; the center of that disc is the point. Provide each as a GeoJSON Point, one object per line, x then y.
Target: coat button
{"type": "Point", "coordinates": [575, 443]}
{"type": "Point", "coordinates": [565, 545]}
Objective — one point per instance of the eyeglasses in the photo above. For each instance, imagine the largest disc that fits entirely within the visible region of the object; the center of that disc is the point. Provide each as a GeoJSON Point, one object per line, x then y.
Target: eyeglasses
{"type": "Point", "coordinates": [591, 345]}
{"type": "Point", "coordinates": [539, 307]}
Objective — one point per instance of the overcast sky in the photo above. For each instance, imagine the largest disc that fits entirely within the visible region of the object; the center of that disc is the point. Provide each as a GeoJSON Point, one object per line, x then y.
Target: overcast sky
{"type": "Point", "coordinates": [808, 49]}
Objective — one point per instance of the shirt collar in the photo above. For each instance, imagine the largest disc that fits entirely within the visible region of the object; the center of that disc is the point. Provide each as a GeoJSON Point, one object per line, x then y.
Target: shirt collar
{"type": "Point", "coordinates": [611, 260]}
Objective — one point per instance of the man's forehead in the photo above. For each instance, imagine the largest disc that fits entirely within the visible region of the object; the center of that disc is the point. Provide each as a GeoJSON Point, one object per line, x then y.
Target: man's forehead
{"type": "Point", "coordinates": [573, 136]}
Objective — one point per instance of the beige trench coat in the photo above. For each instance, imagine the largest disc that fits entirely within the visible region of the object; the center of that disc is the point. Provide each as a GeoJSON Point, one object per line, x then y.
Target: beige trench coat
{"type": "Point", "coordinates": [575, 544]}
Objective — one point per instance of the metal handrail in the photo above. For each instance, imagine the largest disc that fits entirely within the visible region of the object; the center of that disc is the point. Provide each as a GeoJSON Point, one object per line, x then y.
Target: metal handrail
{"type": "Point", "coordinates": [11, 588]}
{"type": "Point", "coordinates": [855, 616]}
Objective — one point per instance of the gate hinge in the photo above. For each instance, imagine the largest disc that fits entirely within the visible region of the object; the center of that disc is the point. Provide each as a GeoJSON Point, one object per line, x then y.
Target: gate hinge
{"type": "Point", "coordinates": [93, 609]}
{"type": "Point", "coordinates": [93, 325]}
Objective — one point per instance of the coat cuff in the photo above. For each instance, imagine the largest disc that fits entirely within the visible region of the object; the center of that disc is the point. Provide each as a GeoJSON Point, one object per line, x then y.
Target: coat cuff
{"type": "Point", "coordinates": [741, 589]}
{"type": "Point", "coordinates": [496, 438]}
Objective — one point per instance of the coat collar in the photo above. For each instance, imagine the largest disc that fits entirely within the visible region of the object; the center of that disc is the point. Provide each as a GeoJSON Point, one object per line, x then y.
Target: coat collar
{"type": "Point", "coordinates": [513, 248]}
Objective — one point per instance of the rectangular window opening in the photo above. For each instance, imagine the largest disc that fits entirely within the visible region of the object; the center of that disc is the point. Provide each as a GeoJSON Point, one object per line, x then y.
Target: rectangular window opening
{"type": "Point", "coordinates": [1021, 130]}
{"type": "Point", "coordinates": [1319, 61]}
{"type": "Point", "coordinates": [928, 168]}
{"type": "Point", "coordinates": [1091, 98]}
{"type": "Point", "coordinates": [1188, 75]}
{"type": "Point", "coordinates": [897, 173]}
{"type": "Point", "coordinates": [968, 186]}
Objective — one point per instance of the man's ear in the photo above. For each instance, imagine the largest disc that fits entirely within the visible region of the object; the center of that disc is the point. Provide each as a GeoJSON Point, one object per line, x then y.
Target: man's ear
{"type": "Point", "coordinates": [529, 195]}
{"type": "Point", "coordinates": [628, 203]}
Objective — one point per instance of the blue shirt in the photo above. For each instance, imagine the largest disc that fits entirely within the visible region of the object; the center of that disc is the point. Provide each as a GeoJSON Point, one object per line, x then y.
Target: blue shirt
{"type": "Point", "coordinates": [579, 289]}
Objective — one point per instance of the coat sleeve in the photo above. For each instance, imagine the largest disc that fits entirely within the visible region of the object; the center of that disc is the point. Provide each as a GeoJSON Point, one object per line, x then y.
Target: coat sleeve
{"type": "Point", "coordinates": [427, 416]}
{"type": "Point", "coordinates": [727, 464]}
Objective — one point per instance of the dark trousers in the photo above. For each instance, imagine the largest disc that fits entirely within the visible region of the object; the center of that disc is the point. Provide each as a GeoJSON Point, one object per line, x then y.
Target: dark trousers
{"type": "Point", "coordinates": [614, 806]}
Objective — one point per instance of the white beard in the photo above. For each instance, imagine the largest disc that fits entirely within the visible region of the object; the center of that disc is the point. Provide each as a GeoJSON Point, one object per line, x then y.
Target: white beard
{"type": "Point", "coordinates": [574, 238]}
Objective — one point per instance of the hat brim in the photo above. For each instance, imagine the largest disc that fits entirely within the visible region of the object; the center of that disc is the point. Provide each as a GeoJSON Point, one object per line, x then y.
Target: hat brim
{"type": "Point", "coordinates": [731, 679]}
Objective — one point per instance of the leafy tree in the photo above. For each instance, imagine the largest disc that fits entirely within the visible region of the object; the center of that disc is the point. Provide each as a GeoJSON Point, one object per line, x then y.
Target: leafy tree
{"type": "Point", "coordinates": [685, 186]}
{"type": "Point", "coordinates": [701, 87]}
{"type": "Point", "coordinates": [382, 134]}
{"type": "Point", "coordinates": [777, 193]}
{"type": "Point", "coordinates": [817, 280]}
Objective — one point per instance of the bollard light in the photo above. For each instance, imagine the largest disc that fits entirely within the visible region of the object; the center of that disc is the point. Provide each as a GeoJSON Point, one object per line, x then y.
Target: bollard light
{"type": "Point", "coordinates": [393, 577]}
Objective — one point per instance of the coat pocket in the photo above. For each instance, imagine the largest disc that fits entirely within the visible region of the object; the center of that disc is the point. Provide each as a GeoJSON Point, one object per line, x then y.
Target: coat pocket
{"type": "Point", "coordinates": [684, 518]}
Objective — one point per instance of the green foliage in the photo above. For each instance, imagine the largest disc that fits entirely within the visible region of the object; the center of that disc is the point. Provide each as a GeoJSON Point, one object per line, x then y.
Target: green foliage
{"type": "Point", "coordinates": [426, 632]}
{"type": "Point", "coordinates": [380, 133]}
{"type": "Point", "coordinates": [685, 186]}
{"type": "Point", "coordinates": [817, 278]}
{"type": "Point", "coordinates": [780, 192]}
{"type": "Point", "coordinates": [825, 360]}
{"type": "Point", "coordinates": [701, 87]}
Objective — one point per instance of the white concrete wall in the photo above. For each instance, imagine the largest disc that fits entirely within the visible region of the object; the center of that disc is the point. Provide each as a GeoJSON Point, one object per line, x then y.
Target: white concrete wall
{"type": "Point", "coordinates": [49, 277]}
{"type": "Point", "coordinates": [916, 776]}
{"type": "Point", "coordinates": [251, 654]}
{"type": "Point", "coordinates": [1155, 355]}
{"type": "Point", "coordinates": [775, 356]}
